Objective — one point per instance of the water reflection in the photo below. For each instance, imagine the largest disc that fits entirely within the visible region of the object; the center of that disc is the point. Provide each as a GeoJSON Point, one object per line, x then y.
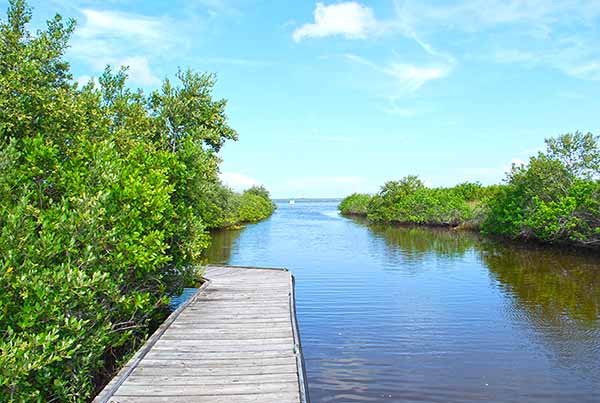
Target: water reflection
{"type": "Point", "coordinates": [415, 243]}
{"type": "Point", "coordinates": [414, 314]}
{"type": "Point", "coordinates": [223, 243]}
{"type": "Point", "coordinates": [558, 285]}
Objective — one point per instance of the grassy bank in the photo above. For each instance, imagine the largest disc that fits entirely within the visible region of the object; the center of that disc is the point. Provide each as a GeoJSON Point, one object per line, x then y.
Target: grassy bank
{"type": "Point", "coordinates": [554, 198]}
{"type": "Point", "coordinates": [107, 195]}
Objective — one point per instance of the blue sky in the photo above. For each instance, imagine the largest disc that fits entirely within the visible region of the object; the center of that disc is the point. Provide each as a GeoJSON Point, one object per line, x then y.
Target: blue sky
{"type": "Point", "coordinates": [335, 97]}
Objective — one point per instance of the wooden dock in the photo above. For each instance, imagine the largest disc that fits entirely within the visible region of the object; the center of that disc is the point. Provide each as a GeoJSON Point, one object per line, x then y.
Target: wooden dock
{"type": "Point", "coordinates": [236, 341]}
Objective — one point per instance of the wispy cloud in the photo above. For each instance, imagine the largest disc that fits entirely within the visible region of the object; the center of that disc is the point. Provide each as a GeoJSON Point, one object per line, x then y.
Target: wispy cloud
{"type": "Point", "coordinates": [538, 16]}
{"type": "Point", "coordinates": [587, 70]}
{"type": "Point", "coordinates": [350, 19]}
{"type": "Point", "coordinates": [123, 39]}
{"type": "Point", "coordinates": [139, 71]}
{"type": "Point", "coordinates": [217, 7]}
{"type": "Point", "coordinates": [408, 77]}
{"type": "Point", "coordinates": [106, 23]}
{"type": "Point", "coordinates": [394, 109]}
{"type": "Point", "coordinates": [559, 34]}
{"type": "Point", "coordinates": [579, 62]}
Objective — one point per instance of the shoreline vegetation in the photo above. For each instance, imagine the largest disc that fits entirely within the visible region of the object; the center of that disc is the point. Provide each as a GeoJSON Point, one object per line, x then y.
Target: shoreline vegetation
{"type": "Point", "coordinates": [553, 199]}
{"type": "Point", "coordinates": [107, 199]}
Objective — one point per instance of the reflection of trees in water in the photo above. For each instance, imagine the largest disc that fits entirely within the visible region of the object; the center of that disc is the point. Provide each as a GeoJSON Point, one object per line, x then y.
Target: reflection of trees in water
{"type": "Point", "coordinates": [417, 241]}
{"type": "Point", "coordinates": [554, 293]}
{"type": "Point", "coordinates": [547, 282]}
{"type": "Point", "coordinates": [222, 243]}
{"type": "Point", "coordinates": [404, 244]}
{"type": "Point", "coordinates": [555, 284]}
{"type": "Point", "coordinates": [557, 295]}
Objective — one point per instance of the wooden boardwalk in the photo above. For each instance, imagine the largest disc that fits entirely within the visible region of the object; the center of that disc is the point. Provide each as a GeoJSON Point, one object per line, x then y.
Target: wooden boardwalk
{"type": "Point", "coordinates": [236, 340]}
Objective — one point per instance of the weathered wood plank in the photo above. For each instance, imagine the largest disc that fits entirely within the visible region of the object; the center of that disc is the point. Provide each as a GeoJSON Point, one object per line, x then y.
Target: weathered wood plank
{"type": "Point", "coordinates": [216, 371]}
{"type": "Point", "coordinates": [226, 325]}
{"type": "Point", "coordinates": [258, 398]}
{"type": "Point", "coordinates": [226, 349]}
{"type": "Point", "coordinates": [207, 344]}
{"type": "Point", "coordinates": [184, 380]}
{"type": "Point", "coordinates": [203, 355]}
{"type": "Point", "coordinates": [225, 335]}
{"type": "Point", "coordinates": [180, 364]}
{"type": "Point", "coordinates": [236, 341]}
{"type": "Point", "coordinates": [128, 389]}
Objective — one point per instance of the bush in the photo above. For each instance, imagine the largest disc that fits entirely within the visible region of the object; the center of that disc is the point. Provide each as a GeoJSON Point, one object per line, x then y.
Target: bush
{"type": "Point", "coordinates": [82, 273]}
{"type": "Point", "coordinates": [223, 208]}
{"type": "Point", "coordinates": [105, 198]}
{"type": "Point", "coordinates": [255, 205]}
{"type": "Point", "coordinates": [555, 198]}
{"type": "Point", "coordinates": [355, 204]}
{"type": "Point", "coordinates": [408, 201]}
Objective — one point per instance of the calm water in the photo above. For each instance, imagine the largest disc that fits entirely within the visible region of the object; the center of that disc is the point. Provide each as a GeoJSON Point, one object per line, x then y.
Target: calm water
{"type": "Point", "coordinates": [403, 315]}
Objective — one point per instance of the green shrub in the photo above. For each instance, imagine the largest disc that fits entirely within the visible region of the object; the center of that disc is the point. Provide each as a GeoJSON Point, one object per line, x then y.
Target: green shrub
{"type": "Point", "coordinates": [355, 204]}
{"type": "Point", "coordinates": [105, 199]}
{"type": "Point", "coordinates": [254, 206]}
{"type": "Point", "coordinates": [82, 273]}
{"type": "Point", "coordinates": [408, 201]}
{"type": "Point", "coordinates": [555, 198]}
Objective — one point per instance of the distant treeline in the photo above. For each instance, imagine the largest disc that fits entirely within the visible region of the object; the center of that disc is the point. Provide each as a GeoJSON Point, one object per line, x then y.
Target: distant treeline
{"type": "Point", "coordinates": [106, 199]}
{"type": "Point", "coordinates": [554, 198]}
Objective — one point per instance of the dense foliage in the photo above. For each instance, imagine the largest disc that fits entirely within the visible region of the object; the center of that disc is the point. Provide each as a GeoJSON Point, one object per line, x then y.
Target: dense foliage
{"type": "Point", "coordinates": [554, 198]}
{"type": "Point", "coordinates": [355, 204]}
{"type": "Point", "coordinates": [410, 201]}
{"type": "Point", "coordinates": [106, 195]}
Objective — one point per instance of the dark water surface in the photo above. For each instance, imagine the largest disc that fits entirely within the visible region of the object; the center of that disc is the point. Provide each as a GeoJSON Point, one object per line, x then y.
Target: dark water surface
{"type": "Point", "coordinates": [420, 315]}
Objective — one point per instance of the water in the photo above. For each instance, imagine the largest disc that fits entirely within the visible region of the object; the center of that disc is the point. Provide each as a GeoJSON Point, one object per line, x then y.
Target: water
{"type": "Point", "coordinates": [393, 314]}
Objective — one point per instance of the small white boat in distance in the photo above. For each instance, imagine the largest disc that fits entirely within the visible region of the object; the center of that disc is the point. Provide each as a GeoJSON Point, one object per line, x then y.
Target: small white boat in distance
{"type": "Point", "coordinates": [292, 202]}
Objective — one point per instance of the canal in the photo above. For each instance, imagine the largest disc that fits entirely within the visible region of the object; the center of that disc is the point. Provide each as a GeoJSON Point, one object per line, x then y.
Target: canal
{"type": "Point", "coordinates": [396, 314]}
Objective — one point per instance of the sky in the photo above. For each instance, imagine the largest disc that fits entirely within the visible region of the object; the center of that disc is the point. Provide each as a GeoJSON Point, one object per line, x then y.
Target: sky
{"type": "Point", "coordinates": [334, 97]}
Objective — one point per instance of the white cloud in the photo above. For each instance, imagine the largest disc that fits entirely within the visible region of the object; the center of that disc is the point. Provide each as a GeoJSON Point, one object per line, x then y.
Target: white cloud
{"type": "Point", "coordinates": [537, 16]}
{"type": "Point", "coordinates": [139, 71]}
{"type": "Point", "coordinates": [216, 7]}
{"type": "Point", "coordinates": [113, 23]}
{"type": "Point", "coordinates": [577, 61]}
{"type": "Point", "coordinates": [351, 20]}
{"type": "Point", "coordinates": [237, 181]}
{"type": "Point", "coordinates": [414, 77]}
{"type": "Point", "coordinates": [408, 77]}
{"type": "Point", "coordinates": [116, 38]}
{"type": "Point", "coordinates": [558, 34]}
{"type": "Point", "coordinates": [586, 71]}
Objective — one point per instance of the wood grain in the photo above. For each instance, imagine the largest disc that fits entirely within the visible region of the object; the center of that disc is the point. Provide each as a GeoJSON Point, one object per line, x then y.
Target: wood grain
{"type": "Point", "coordinates": [236, 340]}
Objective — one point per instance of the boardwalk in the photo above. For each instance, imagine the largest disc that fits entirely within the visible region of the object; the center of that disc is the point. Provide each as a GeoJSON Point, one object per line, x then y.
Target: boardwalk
{"type": "Point", "coordinates": [235, 341]}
